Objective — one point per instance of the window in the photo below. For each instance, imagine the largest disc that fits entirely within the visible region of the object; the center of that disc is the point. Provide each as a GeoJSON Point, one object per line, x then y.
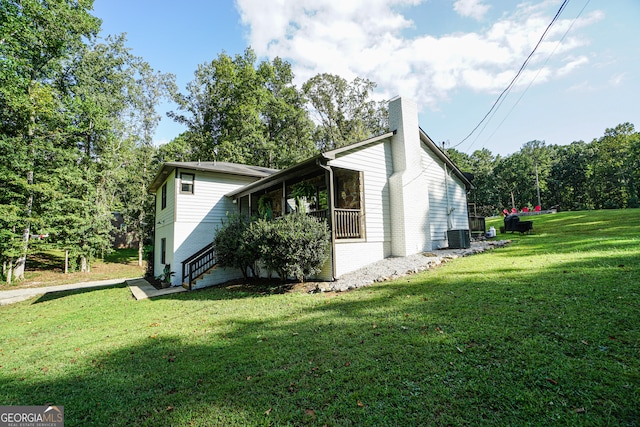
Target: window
{"type": "Point", "coordinates": [163, 251]}
{"type": "Point", "coordinates": [348, 221]}
{"type": "Point", "coordinates": [164, 196]}
{"type": "Point", "coordinates": [186, 183]}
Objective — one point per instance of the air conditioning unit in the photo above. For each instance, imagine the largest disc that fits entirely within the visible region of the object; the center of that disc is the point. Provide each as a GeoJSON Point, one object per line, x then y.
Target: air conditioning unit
{"type": "Point", "coordinates": [459, 239]}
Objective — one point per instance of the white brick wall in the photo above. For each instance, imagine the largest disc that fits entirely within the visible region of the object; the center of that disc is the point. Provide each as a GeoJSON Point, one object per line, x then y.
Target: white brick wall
{"type": "Point", "coordinates": [408, 185]}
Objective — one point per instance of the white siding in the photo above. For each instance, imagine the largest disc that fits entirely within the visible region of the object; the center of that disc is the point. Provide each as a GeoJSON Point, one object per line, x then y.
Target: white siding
{"type": "Point", "coordinates": [352, 256]}
{"type": "Point", "coordinates": [376, 165]}
{"type": "Point", "coordinates": [217, 276]}
{"type": "Point", "coordinates": [198, 215]}
{"type": "Point", "coordinates": [164, 225]}
{"type": "Point", "coordinates": [439, 202]}
{"type": "Point", "coordinates": [162, 232]}
{"type": "Point", "coordinates": [207, 203]}
{"type": "Point", "coordinates": [189, 220]}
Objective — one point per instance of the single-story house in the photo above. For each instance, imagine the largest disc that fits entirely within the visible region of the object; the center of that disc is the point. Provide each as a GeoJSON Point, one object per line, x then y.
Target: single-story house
{"type": "Point", "coordinates": [396, 194]}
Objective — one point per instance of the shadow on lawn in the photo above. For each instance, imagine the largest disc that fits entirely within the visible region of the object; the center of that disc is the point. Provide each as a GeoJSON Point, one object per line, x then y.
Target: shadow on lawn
{"type": "Point", "coordinates": [406, 353]}
{"type": "Point", "coordinates": [50, 296]}
{"type": "Point", "coordinates": [459, 349]}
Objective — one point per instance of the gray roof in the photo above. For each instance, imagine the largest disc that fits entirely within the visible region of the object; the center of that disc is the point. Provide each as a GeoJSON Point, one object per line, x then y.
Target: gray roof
{"type": "Point", "coordinates": [220, 167]}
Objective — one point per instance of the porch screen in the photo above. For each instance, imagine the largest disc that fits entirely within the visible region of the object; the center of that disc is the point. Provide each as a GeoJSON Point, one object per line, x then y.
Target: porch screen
{"type": "Point", "coordinates": [348, 199]}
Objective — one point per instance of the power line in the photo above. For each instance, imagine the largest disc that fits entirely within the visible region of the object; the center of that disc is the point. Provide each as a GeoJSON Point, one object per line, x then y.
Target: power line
{"type": "Point", "coordinates": [524, 65]}
{"type": "Point", "coordinates": [534, 77]}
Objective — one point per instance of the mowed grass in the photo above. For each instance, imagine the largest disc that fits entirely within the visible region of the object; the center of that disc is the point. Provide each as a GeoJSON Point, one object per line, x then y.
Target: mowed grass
{"type": "Point", "coordinates": [46, 268]}
{"type": "Point", "coordinates": [545, 331]}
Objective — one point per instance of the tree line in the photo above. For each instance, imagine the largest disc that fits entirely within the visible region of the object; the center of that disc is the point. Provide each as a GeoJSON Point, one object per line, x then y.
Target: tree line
{"type": "Point", "coordinates": [601, 174]}
{"type": "Point", "coordinates": [78, 113]}
{"type": "Point", "coordinates": [77, 116]}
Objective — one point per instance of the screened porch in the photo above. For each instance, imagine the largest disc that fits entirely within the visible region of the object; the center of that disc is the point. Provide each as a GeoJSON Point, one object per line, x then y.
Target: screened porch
{"type": "Point", "coordinates": [334, 195]}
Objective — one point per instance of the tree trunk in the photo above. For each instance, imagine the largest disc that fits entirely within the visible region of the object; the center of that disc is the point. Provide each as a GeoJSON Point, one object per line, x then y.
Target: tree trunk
{"type": "Point", "coordinates": [83, 264]}
{"type": "Point", "coordinates": [18, 270]}
{"type": "Point", "coordinates": [66, 262]}
{"type": "Point", "coordinates": [9, 271]}
{"type": "Point", "coordinates": [140, 251]}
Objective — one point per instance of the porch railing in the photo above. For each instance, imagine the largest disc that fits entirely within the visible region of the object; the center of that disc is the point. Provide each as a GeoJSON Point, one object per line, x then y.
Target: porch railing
{"type": "Point", "coordinates": [198, 264]}
{"type": "Point", "coordinates": [321, 214]}
{"type": "Point", "coordinates": [346, 222]}
{"type": "Point", "coordinates": [477, 224]}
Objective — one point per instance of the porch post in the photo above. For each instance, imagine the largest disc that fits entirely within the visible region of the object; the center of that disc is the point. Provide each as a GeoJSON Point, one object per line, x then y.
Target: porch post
{"type": "Point", "coordinates": [330, 214]}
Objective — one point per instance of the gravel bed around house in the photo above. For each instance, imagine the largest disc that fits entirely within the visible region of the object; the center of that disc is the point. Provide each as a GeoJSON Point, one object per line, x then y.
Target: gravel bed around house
{"type": "Point", "coordinates": [394, 267]}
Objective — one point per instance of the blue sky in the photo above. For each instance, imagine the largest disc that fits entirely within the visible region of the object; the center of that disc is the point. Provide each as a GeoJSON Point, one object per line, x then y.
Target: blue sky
{"type": "Point", "coordinates": [453, 57]}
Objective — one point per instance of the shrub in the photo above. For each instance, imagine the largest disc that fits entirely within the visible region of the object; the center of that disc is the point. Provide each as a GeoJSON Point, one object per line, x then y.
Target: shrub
{"type": "Point", "coordinates": [295, 245]}
{"type": "Point", "coordinates": [232, 247]}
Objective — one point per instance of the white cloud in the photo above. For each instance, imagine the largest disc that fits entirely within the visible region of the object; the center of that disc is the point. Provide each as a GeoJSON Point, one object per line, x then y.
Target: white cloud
{"type": "Point", "coordinates": [617, 79]}
{"type": "Point", "coordinates": [572, 65]}
{"type": "Point", "coordinates": [366, 38]}
{"type": "Point", "coordinates": [471, 8]}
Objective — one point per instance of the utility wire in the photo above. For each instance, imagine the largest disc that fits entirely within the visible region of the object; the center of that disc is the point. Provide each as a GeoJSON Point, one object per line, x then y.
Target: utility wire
{"type": "Point", "coordinates": [524, 65]}
{"type": "Point", "coordinates": [534, 78]}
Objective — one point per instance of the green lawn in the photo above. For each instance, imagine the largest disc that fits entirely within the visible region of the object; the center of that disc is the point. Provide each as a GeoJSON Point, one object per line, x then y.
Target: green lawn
{"type": "Point", "coordinates": [543, 332]}
{"type": "Point", "coordinates": [46, 268]}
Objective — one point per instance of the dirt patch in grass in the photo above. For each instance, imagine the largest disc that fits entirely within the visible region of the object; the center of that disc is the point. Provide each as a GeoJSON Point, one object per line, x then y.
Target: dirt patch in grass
{"type": "Point", "coordinates": [266, 286]}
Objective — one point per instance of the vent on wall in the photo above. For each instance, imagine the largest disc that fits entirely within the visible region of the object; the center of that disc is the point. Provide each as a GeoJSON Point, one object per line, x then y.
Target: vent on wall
{"type": "Point", "coordinates": [459, 239]}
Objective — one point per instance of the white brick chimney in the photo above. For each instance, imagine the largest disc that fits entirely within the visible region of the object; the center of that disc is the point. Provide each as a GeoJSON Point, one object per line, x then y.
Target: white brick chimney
{"type": "Point", "coordinates": [409, 192]}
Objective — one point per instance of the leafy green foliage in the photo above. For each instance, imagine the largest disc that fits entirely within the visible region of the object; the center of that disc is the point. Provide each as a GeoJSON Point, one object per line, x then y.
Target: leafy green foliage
{"type": "Point", "coordinates": [73, 113]}
{"type": "Point", "coordinates": [295, 245]}
{"type": "Point", "coordinates": [239, 111]}
{"type": "Point", "coordinates": [344, 110]}
{"type": "Point", "coordinates": [602, 174]}
{"type": "Point", "coordinates": [235, 246]}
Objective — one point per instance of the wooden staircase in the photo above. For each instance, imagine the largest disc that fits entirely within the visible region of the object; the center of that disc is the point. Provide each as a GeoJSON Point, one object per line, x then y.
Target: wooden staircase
{"type": "Point", "coordinates": [197, 266]}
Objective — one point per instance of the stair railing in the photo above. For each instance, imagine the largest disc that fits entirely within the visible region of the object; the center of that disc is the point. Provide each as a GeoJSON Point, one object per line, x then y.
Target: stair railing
{"type": "Point", "coordinates": [198, 264]}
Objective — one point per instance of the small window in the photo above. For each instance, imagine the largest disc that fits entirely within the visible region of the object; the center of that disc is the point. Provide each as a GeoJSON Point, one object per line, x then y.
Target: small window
{"type": "Point", "coordinates": [163, 251]}
{"type": "Point", "coordinates": [164, 196]}
{"type": "Point", "coordinates": [186, 183]}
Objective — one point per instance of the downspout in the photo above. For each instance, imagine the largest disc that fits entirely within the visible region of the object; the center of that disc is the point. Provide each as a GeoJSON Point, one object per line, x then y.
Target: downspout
{"type": "Point", "coordinates": [446, 189]}
{"type": "Point", "coordinates": [330, 217]}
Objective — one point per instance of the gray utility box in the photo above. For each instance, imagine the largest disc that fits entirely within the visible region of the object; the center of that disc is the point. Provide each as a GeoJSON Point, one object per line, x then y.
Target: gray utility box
{"type": "Point", "coordinates": [459, 239]}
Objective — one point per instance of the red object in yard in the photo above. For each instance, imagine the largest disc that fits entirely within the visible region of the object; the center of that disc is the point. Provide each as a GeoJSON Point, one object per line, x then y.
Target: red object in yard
{"type": "Point", "coordinates": [514, 210]}
{"type": "Point", "coordinates": [505, 212]}
{"type": "Point", "coordinates": [537, 208]}
{"type": "Point", "coordinates": [525, 209]}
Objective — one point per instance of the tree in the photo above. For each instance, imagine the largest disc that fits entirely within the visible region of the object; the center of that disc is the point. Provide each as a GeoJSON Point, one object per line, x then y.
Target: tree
{"type": "Point", "coordinates": [136, 204]}
{"type": "Point", "coordinates": [344, 110]}
{"type": "Point", "coordinates": [513, 182]}
{"type": "Point", "coordinates": [568, 176]}
{"type": "Point", "coordinates": [179, 149]}
{"type": "Point", "coordinates": [612, 177]}
{"type": "Point", "coordinates": [34, 36]}
{"type": "Point", "coordinates": [485, 194]}
{"type": "Point", "coordinates": [241, 112]}
{"type": "Point", "coordinates": [539, 154]}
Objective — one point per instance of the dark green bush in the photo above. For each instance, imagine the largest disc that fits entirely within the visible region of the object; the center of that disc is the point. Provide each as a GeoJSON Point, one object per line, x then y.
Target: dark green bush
{"type": "Point", "coordinates": [295, 245]}
{"type": "Point", "coordinates": [233, 248]}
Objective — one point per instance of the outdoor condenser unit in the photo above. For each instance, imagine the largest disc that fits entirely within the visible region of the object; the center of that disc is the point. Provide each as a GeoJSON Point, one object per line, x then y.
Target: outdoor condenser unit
{"type": "Point", "coordinates": [459, 239]}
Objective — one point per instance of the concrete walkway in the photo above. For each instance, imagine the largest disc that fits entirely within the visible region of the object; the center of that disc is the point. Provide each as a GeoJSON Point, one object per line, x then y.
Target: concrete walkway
{"type": "Point", "coordinates": [140, 288]}
{"type": "Point", "coordinates": [16, 295]}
